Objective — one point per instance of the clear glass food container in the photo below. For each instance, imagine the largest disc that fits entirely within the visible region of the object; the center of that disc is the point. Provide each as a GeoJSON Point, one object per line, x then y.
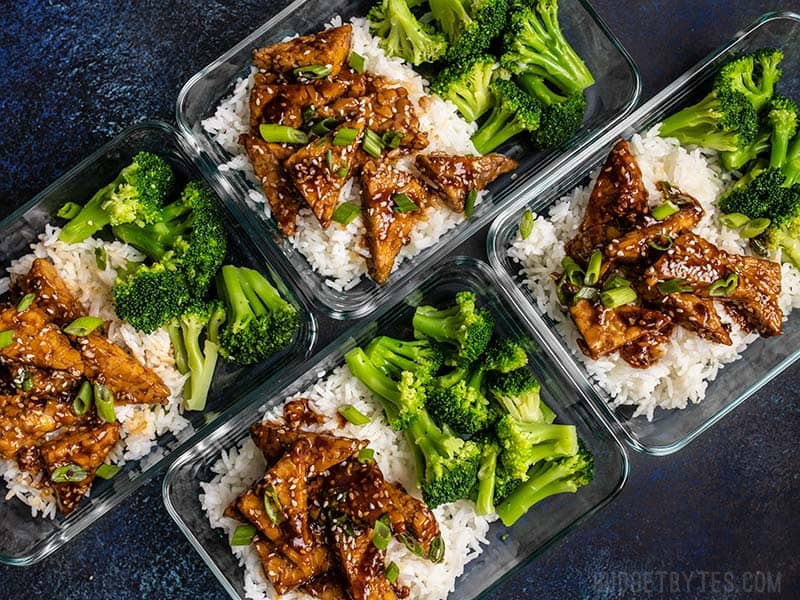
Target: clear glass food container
{"type": "Point", "coordinates": [543, 525]}
{"type": "Point", "coordinates": [25, 540]}
{"type": "Point", "coordinates": [614, 95]}
{"type": "Point", "coordinates": [670, 430]}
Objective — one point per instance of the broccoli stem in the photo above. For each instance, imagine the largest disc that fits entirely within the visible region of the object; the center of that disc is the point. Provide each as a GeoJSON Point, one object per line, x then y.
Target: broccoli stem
{"type": "Point", "coordinates": [377, 382]}
{"type": "Point", "coordinates": [527, 494]}
{"type": "Point", "coordinates": [91, 219]}
{"type": "Point", "coordinates": [535, 86]}
{"type": "Point", "coordinates": [178, 347]}
{"type": "Point", "coordinates": [267, 295]}
{"type": "Point", "coordinates": [435, 324]}
{"type": "Point", "coordinates": [236, 296]}
{"type": "Point", "coordinates": [499, 127]}
{"type": "Point", "coordinates": [484, 504]}
{"type": "Point", "coordinates": [202, 365]}
{"type": "Point", "coordinates": [700, 114]}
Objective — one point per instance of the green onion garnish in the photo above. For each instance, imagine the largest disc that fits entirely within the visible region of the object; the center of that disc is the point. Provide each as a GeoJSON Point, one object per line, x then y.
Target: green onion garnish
{"type": "Point", "coordinates": [572, 271]}
{"type": "Point", "coordinates": [107, 471]}
{"type": "Point", "coordinates": [346, 212]}
{"type": "Point", "coordinates": [272, 505]}
{"type": "Point", "coordinates": [392, 139]}
{"type": "Point", "coordinates": [6, 338]}
{"type": "Point", "coordinates": [593, 268]}
{"type": "Point", "coordinates": [366, 455]}
{"type": "Point", "coordinates": [469, 204]}
{"type": "Point", "coordinates": [70, 473]}
{"type": "Point", "coordinates": [25, 302]}
{"type": "Point", "coordinates": [104, 401]}
{"type": "Point", "coordinates": [27, 382]}
{"type": "Point", "coordinates": [526, 224]}
{"type": "Point", "coordinates": [100, 258]}
{"type": "Point", "coordinates": [404, 204]}
{"type": "Point", "coordinates": [754, 227]}
{"type": "Point", "coordinates": [309, 114]}
{"type": "Point", "coordinates": [342, 172]}
{"type": "Point", "coordinates": [392, 572]}
{"type": "Point", "coordinates": [411, 543]}
{"type": "Point", "coordinates": [664, 210]}
{"type": "Point", "coordinates": [381, 534]}
{"type": "Point", "coordinates": [70, 210]}
{"type": "Point", "coordinates": [615, 282]}
{"type": "Point", "coordinates": [372, 143]}
{"type": "Point", "coordinates": [615, 297]}
{"type": "Point", "coordinates": [83, 326]}
{"type": "Point", "coordinates": [724, 286]}
{"type": "Point", "coordinates": [329, 159]}
{"type": "Point", "coordinates": [437, 550]}
{"type": "Point", "coordinates": [324, 126]}
{"type": "Point", "coordinates": [663, 244]}
{"type": "Point", "coordinates": [586, 293]}
{"type": "Point", "coordinates": [673, 286]}
{"type": "Point", "coordinates": [345, 136]}
{"type": "Point", "coordinates": [282, 134]}
{"type": "Point", "coordinates": [353, 415]}
{"type": "Point", "coordinates": [243, 535]}
{"type": "Point", "coordinates": [83, 401]}
{"type": "Point", "coordinates": [356, 62]}
{"type": "Point", "coordinates": [504, 537]}
{"type": "Point", "coordinates": [312, 71]}
{"type": "Point", "coordinates": [734, 220]}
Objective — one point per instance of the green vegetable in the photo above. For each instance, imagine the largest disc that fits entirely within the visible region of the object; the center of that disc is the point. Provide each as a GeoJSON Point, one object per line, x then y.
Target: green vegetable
{"type": "Point", "coordinates": [572, 271]}
{"type": "Point", "coordinates": [734, 220]}
{"type": "Point", "coordinates": [673, 286]}
{"type": "Point", "coordinates": [458, 400]}
{"type": "Point", "coordinates": [325, 126]}
{"type": "Point", "coordinates": [513, 112]}
{"type": "Point", "coordinates": [366, 455]}
{"type": "Point", "coordinates": [243, 535]}
{"type": "Point", "coordinates": [469, 204]}
{"type": "Point", "coordinates": [372, 143]}
{"type": "Point", "coordinates": [70, 473]}
{"type": "Point", "coordinates": [436, 554]}
{"type": "Point", "coordinates": [526, 224]}
{"type": "Point", "coordinates": [524, 443]}
{"type": "Point", "coordinates": [664, 210]}
{"type": "Point", "coordinates": [469, 26]}
{"type": "Point", "coordinates": [273, 506]}
{"type": "Point", "coordinates": [282, 134]}
{"type": "Point", "coordinates": [562, 113]}
{"type": "Point", "coordinates": [724, 286]}
{"type": "Point", "coordinates": [104, 401]}
{"type": "Point", "coordinates": [70, 210]}
{"type": "Point", "coordinates": [400, 34]}
{"type": "Point", "coordinates": [381, 535]}
{"type": "Point", "coordinates": [465, 83]}
{"type": "Point", "coordinates": [353, 415]}
{"type": "Point", "coordinates": [344, 136]}
{"type": "Point", "coordinates": [618, 296]}
{"type": "Point", "coordinates": [101, 258]}
{"type": "Point", "coordinates": [593, 268]}
{"type": "Point", "coordinates": [662, 245]}
{"type": "Point", "coordinates": [392, 572]}
{"type": "Point", "coordinates": [346, 212]}
{"type": "Point", "coordinates": [404, 204]}
{"type": "Point", "coordinates": [356, 62]}
{"type": "Point", "coordinates": [518, 392]}
{"type": "Point", "coordinates": [83, 326]}
{"type": "Point", "coordinates": [312, 71]}
{"type": "Point", "coordinates": [107, 471]}
{"type": "Point", "coordinates": [25, 302]}
{"type": "Point", "coordinates": [504, 355]}
{"type": "Point", "coordinates": [83, 400]}
{"type": "Point", "coordinates": [392, 139]}
{"type": "Point", "coordinates": [329, 159]}
{"type": "Point", "coordinates": [754, 227]}
{"type": "Point", "coordinates": [484, 504]}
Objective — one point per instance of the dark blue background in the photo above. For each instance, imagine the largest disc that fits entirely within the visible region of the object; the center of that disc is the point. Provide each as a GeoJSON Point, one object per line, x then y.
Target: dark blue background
{"type": "Point", "coordinates": [73, 74]}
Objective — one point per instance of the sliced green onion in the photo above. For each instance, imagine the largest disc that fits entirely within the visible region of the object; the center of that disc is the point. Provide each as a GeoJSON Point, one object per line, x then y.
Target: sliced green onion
{"type": "Point", "coordinates": [586, 293]}
{"type": "Point", "coordinates": [615, 282]}
{"type": "Point", "coordinates": [392, 572]}
{"type": "Point", "coordinates": [27, 382]}
{"type": "Point", "coordinates": [617, 297]}
{"type": "Point", "coordinates": [381, 534]}
{"type": "Point", "coordinates": [411, 543]}
{"type": "Point", "coordinates": [312, 71]}
{"type": "Point", "coordinates": [309, 114]}
{"type": "Point", "coordinates": [754, 227]}
{"type": "Point", "coordinates": [104, 401]}
{"type": "Point", "coordinates": [282, 134]}
{"type": "Point", "coordinates": [724, 286]}
{"type": "Point", "coordinates": [70, 210]}
{"type": "Point", "coordinates": [345, 136]}
{"type": "Point", "coordinates": [83, 326]}
{"type": "Point", "coordinates": [356, 62]}
{"type": "Point", "coordinates": [437, 549]}
{"type": "Point", "coordinates": [70, 473]}
{"type": "Point", "coordinates": [100, 258]}
{"type": "Point", "coordinates": [6, 338]}
{"type": "Point", "coordinates": [734, 220]}
{"type": "Point", "coordinates": [526, 224]}
{"type": "Point", "coordinates": [342, 172]}
{"type": "Point", "coordinates": [664, 244]}
{"type": "Point", "coordinates": [366, 455]}
{"type": "Point", "coordinates": [243, 535]}
{"type": "Point", "coordinates": [108, 471]}
{"type": "Point", "coordinates": [572, 271]}
{"type": "Point", "coordinates": [392, 139]}
{"type": "Point", "coordinates": [25, 302]}
{"type": "Point", "coordinates": [664, 210]}
{"type": "Point", "coordinates": [272, 505]}
{"type": "Point", "coordinates": [404, 204]}
{"type": "Point", "coordinates": [593, 268]}
{"type": "Point", "coordinates": [469, 204]}
{"type": "Point", "coordinates": [329, 159]}
{"type": "Point", "coordinates": [83, 401]}
{"type": "Point", "coordinates": [674, 286]}
{"type": "Point", "coordinates": [372, 143]}
{"type": "Point", "coordinates": [353, 415]}
{"type": "Point", "coordinates": [504, 537]}
{"type": "Point", "coordinates": [346, 212]}
{"type": "Point", "coordinates": [324, 126]}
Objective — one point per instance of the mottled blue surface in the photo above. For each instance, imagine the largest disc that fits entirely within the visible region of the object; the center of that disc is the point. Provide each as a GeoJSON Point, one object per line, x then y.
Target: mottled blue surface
{"type": "Point", "coordinates": [715, 520]}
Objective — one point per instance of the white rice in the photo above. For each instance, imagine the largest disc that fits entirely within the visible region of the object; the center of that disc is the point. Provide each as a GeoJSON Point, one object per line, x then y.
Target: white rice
{"type": "Point", "coordinates": [462, 530]}
{"type": "Point", "coordinates": [338, 253]}
{"type": "Point", "coordinates": [140, 424]}
{"type": "Point", "coordinates": [682, 375]}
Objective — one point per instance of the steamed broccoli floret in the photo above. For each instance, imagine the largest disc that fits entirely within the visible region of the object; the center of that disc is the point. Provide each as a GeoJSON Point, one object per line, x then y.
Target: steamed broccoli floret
{"type": "Point", "coordinates": [526, 443]}
{"type": "Point", "coordinates": [734, 160]}
{"type": "Point", "coordinates": [149, 296]}
{"type": "Point", "coordinates": [513, 112]}
{"type": "Point", "coordinates": [135, 196]}
{"type": "Point", "coordinates": [782, 117]}
{"type": "Point", "coordinates": [469, 26]}
{"type": "Point", "coordinates": [458, 400]}
{"type": "Point", "coordinates": [464, 327]}
{"type": "Point", "coordinates": [447, 466]}
{"type": "Point", "coordinates": [535, 44]}
{"type": "Point", "coordinates": [547, 479]}
{"type": "Point", "coordinates": [393, 356]}
{"type": "Point", "coordinates": [562, 115]}
{"type": "Point", "coordinates": [504, 484]}
{"type": "Point", "coordinates": [401, 34]}
{"type": "Point", "coordinates": [504, 355]}
{"type": "Point", "coordinates": [259, 321]}
{"type": "Point", "coordinates": [754, 75]}
{"type": "Point", "coordinates": [402, 396]}
{"type": "Point", "coordinates": [193, 336]}
{"type": "Point", "coordinates": [465, 83]}
{"type": "Point", "coordinates": [518, 392]}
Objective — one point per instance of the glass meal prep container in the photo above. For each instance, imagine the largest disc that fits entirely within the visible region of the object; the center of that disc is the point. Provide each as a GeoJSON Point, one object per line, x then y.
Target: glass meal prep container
{"type": "Point", "coordinates": [25, 540]}
{"type": "Point", "coordinates": [614, 94]}
{"type": "Point", "coordinates": [544, 524]}
{"type": "Point", "coordinates": [670, 430]}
